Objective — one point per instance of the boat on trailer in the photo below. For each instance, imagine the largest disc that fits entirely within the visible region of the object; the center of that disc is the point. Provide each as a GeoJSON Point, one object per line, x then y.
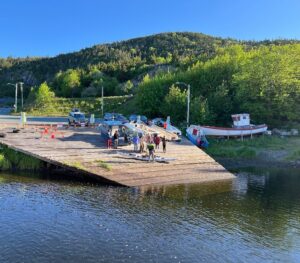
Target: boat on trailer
{"type": "Point", "coordinates": [196, 136]}
{"type": "Point", "coordinates": [166, 125]}
{"type": "Point", "coordinates": [154, 129]}
{"type": "Point", "coordinates": [241, 128]}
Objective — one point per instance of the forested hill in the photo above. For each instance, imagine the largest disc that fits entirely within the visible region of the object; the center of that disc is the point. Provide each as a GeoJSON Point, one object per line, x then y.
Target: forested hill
{"type": "Point", "coordinates": [119, 62]}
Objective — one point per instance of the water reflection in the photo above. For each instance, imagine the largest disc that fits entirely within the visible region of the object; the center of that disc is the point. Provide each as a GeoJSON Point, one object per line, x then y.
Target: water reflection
{"type": "Point", "coordinates": [252, 218]}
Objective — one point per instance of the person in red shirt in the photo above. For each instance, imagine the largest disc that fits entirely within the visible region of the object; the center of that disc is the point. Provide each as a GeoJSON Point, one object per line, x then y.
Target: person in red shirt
{"type": "Point", "coordinates": [109, 143]}
{"type": "Point", "coordinates": [157, 142]}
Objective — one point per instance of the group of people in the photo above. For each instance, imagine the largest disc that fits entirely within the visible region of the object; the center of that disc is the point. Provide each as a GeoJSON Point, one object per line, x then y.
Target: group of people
{"type": "Point", "coordinates": [152, 143]}
{"type": "Point", "coordinates": [113, 141]}
{"type": "Point", "coordinates": [141, 143]}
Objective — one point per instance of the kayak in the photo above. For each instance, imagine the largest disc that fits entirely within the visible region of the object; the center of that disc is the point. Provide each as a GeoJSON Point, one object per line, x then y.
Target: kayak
{"type": "Point", "coordinates": [141, 157]}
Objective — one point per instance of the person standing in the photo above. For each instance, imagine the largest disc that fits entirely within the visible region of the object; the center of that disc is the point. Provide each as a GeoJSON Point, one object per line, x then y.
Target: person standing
{"type": "Point", "coordinates": [116, 139]}
{"type": "Point", "coordinates": [142, 148]}
{"type": "Point", "coordinates": [135, 141]}
{"type": "Point", "coordinates": [150, 147]}
{"type": "Point", "coordinates": [126, 138]}
{"type": "Point", "coordinates": [147, 138]}
{"type": "Point", "coordinates": [109, 143]}
{"type": "Point", "coordinates": [164, 143]}
{"type": "Point", "coordinates": [157, 142]}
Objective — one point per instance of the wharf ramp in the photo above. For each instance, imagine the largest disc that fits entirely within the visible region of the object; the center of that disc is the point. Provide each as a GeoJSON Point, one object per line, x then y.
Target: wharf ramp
{"type": "Point", "coordinates": [83, 150]}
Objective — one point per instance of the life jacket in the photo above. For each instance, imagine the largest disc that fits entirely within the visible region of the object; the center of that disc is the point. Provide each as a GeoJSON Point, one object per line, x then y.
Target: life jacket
{"type": "Point", "coordinates": [150, 147]}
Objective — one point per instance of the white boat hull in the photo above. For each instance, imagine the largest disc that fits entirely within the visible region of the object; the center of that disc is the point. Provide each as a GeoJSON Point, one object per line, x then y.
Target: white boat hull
{"type": "Point", "coordinates": [233, 132]}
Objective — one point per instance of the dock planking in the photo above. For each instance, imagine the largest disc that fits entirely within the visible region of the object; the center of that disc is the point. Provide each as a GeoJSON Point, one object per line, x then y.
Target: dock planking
{"type": "Point", "coordinates": [83, 150]}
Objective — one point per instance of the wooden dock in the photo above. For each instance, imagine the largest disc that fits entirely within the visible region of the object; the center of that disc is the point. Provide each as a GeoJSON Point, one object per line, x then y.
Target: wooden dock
{"type": "Point", "coordinates": [83, 150]}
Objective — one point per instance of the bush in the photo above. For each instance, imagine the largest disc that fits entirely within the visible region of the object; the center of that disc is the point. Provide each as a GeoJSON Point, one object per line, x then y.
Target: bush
{"type": "Point", "coordinates": [4, 163]}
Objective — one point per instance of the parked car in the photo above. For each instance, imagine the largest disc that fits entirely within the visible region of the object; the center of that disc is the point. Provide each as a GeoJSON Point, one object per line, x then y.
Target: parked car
{"type": "Point", "coordinates": [76, 117]}
{"type": "Point", "coordinates": [134, 117]}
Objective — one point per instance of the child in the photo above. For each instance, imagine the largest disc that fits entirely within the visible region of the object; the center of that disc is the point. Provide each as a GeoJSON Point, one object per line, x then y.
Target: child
{"type": "Point", "coordinates": [109, 143]}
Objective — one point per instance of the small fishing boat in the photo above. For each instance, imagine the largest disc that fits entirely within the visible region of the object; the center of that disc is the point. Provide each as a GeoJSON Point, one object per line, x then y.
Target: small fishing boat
{"type": "Point", "coordinates": [152, 129]}
{"type": "Point", "coordinates": [196, 136]}
{"type": "Point", "coordinates": [166, 125]}
{"type": "Point", "coordinates": [131, 129]}
{"type": "Point", "coordinates": [241, 127]}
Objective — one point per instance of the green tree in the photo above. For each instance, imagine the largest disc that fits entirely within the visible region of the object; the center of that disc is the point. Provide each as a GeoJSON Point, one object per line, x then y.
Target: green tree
{"type": "Point", "coordinates": [175, 104]}
{"type": "Point", "coordinates": [151, 93]}
{"type": "Point", "coordinates": [220, 104]}
{"type": "Point", "coordinates": [128, 87]}
{"type": "Point", "coordinates": [68, 83]}
{"type": "Point", "coordinates": [199, 111]}
{"type": "Point", "coordinates": [268, 84]}
{"type": "Point", "coordinates": [44, 95]}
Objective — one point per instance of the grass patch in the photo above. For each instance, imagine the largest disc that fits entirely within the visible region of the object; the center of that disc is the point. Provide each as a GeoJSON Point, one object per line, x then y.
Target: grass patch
{"type": "Point", "coordinates": [245, 152]}
{"type": "Point", "coordinates": [104, 165]}
{"type": "Point", "coordinates": [221, 152]}
{"type": "Point", "coordinates": [11, 159]}
{"type": "Point", "coordinates": [75, 164]}
{"type": "Point", "coordinates": [294, 156]}
{"type": "Point", "coordinates": [229, 152]}
{"type": "Point", "coordinates": [232, 149]}
{"type": "Point", "coordinates": [4, 163]}
{"type": "Point", "coordinates": [250, 148]}
{"type": "Point", "coordinates": [247, 149]}
{"type": "Point", "coordinates": [270, 142]}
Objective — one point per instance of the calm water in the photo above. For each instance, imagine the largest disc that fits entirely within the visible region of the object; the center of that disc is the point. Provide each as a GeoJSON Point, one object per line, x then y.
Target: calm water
{"type": "Point", "coordinates": [255, 218]}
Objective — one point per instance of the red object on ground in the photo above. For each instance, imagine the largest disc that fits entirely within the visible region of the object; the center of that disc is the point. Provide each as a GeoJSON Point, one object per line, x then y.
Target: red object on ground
{"type": "Point", "coordinates": [52, 135]}
{"type": "Point", "coordinates": [109, 143]}
{"type": "Point", "coordinates": [165, 125]}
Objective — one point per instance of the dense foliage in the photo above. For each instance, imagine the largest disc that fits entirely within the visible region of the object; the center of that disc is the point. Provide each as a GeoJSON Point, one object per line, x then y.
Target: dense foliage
{"type": "Point", "coordinates": [264, 81]}
{"type": "Point", "coordinates": [117, 62]}
{"type": "Point", "coordinates": [226, 76]}
{"type": "Point", "coordinates": [62, 106]}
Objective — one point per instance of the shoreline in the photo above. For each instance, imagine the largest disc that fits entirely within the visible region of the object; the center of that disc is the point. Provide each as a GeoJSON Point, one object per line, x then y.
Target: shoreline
{"type": "Point", "coordinates": [238, 163]}
{"type": "Point", "coordinates": [263, 152]}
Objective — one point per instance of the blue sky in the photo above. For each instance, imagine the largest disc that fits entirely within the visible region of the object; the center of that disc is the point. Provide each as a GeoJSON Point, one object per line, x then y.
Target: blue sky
{"type": "Point", "coordinates": [47, 28]}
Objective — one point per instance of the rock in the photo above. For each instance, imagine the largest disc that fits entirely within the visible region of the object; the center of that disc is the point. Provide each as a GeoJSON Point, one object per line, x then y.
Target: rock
{"type": "Point", "coordinates": [292, 132]}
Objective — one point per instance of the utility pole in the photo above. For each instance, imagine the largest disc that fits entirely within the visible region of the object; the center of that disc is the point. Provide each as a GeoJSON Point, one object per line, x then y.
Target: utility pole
{"type": "Point", "coordinates": [22, 98]}
{"type": "Point", "coordinates": [188, 105]}
{"type": "Point", "coordinates": [16, 95]}
{"type": "Point", "coordinates": [16, 98]}
{"type": "Point", "coordinates": [102, 103]}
